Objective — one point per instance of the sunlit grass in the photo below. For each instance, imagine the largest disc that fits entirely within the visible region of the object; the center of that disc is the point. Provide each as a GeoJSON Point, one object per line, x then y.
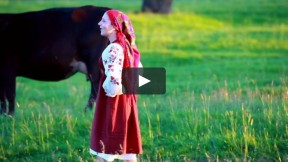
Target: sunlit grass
{"type": "Point", "coordinates": [226, 123]}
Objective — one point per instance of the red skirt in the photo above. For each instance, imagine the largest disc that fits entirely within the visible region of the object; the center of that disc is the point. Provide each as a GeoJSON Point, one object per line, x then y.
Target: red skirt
{"type": "Point", "coordinates": [115, 128]}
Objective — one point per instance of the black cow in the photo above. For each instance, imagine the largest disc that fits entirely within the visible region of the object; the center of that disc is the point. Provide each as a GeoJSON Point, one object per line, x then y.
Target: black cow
{"type": "Point", "coordinates": [49, 45]}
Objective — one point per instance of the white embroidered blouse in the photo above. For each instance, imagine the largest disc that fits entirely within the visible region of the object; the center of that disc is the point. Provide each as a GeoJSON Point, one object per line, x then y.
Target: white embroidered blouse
{"type": "Point", "coordinates": [112, 58]}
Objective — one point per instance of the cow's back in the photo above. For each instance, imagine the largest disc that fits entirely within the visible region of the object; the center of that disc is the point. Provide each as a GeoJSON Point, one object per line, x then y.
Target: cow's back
{"type": "Point", "coordinates": [41, 45]}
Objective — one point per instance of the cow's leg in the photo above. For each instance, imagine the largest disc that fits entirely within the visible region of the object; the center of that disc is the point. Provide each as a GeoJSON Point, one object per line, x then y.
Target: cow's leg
{"type": "Point", "coordinates": [94, 90]}
{"type": "Point", "coordinates": [3, 107]}
{"type": "Point", "coordinates": [10, 90]}
{"type": "Point", "coordinates": [93, 70]}
{"type": "Point", "coordinates": [2, 97]}
{"type": "Point", "coordinates": [91, 100]}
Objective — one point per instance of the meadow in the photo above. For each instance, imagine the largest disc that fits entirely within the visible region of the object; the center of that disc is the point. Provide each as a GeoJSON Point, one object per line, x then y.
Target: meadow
{"type": "Point", "coordinates": [226, 97]}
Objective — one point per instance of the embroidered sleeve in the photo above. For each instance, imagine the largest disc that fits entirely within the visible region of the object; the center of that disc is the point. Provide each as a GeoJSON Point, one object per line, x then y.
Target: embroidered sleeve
{"type": "Point", "coordinates": [113, 58]}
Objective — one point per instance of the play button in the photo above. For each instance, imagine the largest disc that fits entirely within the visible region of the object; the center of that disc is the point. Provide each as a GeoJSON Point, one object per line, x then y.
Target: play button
{"type": "Point", "coordinates": [142, 81]}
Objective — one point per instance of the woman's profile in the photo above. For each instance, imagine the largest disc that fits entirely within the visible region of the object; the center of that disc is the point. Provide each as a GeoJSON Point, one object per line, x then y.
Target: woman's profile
{"type": "Point", "coordinates": [115, 129]}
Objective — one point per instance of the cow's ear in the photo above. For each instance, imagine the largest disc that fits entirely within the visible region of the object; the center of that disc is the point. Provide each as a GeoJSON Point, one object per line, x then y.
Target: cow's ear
{"type": "Point", "coordinates": [79, 15]}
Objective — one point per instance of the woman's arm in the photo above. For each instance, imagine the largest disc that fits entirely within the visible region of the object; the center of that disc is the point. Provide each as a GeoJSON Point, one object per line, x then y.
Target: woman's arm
{"type": "Point", "coordinates": [113, 64]}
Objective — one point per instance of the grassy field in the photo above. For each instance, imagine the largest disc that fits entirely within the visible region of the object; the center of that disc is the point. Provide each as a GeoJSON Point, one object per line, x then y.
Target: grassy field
{"type": "Point", "coordinates": [227, 87]}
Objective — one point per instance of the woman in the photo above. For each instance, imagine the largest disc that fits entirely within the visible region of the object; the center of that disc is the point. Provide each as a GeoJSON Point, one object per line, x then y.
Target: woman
{"type": "Point", "coordinates": [115, 129]}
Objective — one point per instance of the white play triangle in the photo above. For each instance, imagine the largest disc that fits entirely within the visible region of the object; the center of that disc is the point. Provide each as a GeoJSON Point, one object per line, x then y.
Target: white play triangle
{"type": "Point", "coordinates": [142, 81]}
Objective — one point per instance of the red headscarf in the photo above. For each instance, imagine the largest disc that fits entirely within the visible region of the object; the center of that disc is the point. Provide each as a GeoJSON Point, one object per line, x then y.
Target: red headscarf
{"type": "Point", "coordinates": [125, 37]}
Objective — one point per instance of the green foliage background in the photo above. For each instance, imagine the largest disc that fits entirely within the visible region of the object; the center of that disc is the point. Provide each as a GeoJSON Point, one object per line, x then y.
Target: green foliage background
{"type": "Point", "coordinates": [227, 87]}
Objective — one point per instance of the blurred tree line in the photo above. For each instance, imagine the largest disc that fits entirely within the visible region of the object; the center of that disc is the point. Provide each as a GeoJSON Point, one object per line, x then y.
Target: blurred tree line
{"type": "Point", "coordinates": [157, 6]}
{"type": "Point", "coordinates": [154, 6]}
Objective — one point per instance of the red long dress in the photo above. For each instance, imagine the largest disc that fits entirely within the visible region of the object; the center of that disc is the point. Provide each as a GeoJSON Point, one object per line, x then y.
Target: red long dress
{"type": "Point", "coordinates": [115, 128]}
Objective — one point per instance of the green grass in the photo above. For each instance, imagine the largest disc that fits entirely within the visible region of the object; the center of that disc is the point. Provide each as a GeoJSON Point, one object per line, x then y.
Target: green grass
{"type": "Point", "coordinates": [227, 87]}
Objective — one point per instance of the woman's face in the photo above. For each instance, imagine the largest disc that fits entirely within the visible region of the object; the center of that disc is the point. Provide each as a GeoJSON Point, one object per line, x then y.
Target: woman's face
{"type": "Point", "coordinates": [105, 26]}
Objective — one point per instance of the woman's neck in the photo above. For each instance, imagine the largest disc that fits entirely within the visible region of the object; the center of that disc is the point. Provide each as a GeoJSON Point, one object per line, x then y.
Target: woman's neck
{"type": "Point", "coordinates": [112, 37]}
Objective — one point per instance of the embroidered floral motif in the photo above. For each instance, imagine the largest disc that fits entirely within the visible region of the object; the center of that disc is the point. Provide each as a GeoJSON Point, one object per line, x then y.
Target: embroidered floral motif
{"type": "Point", "coordinates": [120, 61]}
{"type": "Point", "coordinates": [110, 68]}
{"type": "Point", "coordinates": [113, 54]}
{"type": "Point", "coordinates": [113, 50]}
{"type": "Point", "coordinates": [114, 81]}
{"type": "Point", "coordinates": [112, 58]}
